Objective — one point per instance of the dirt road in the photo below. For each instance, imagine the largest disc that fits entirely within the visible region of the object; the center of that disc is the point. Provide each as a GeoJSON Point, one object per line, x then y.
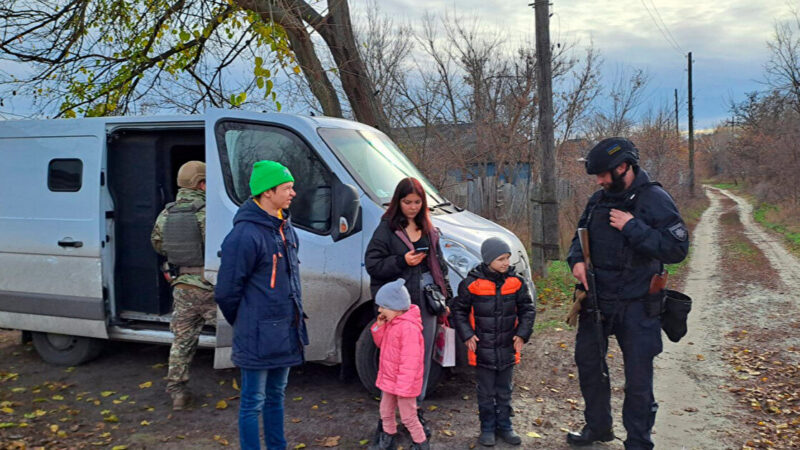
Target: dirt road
{"type": "Point", "coordinates": [695, 377]}
{"type": "Point", "coordinates": [707, 385]}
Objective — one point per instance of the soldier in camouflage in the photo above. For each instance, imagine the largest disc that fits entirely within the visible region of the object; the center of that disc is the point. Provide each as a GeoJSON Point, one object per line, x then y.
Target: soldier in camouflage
{"type": "Point", "coordinates": [179, 234]}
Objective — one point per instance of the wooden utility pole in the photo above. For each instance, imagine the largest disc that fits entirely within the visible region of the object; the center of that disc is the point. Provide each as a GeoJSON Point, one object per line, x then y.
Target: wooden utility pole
{"type": "Point", "coordinates": [677, 120]}
{"type": "Point", "coordinates": [544, 207]}
{"type": "Point", "coordinates": [691, 131]}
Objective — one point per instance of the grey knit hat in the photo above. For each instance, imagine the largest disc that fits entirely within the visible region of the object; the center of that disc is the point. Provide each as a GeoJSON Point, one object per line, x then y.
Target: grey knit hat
{"type": "Point", "coordinates": [493, 248]}
{"type": "Point", "coordinates": [394, 296]}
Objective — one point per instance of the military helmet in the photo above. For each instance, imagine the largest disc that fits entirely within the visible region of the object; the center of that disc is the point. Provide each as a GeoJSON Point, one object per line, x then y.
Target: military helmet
{"type": "Point", "coordinates": [191, 173]}
{"type": "Point", "coordinates": [609, 153]}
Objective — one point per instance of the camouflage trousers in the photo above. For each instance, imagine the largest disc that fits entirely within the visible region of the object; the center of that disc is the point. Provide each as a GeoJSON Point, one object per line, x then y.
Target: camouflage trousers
{"type": "Point", "coordinates": [192, 308]}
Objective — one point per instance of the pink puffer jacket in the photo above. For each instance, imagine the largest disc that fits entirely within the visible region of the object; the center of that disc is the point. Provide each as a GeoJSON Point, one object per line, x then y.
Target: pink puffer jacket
{"type": "Point", "coordinates": [402, 360]}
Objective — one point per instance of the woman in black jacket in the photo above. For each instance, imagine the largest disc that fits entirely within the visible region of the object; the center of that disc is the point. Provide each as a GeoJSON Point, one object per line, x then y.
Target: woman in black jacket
{"type": "Point", "coordinates": [391, 254]}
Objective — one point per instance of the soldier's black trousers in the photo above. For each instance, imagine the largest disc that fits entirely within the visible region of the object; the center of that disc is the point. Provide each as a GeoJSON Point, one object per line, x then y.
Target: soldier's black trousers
{"type": "Point", "coordinates": [639, 337]}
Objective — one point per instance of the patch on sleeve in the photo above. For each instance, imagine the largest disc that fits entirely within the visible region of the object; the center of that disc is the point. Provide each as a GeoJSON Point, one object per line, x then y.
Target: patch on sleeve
{"type": "Point", "coordinates": [679, 231]}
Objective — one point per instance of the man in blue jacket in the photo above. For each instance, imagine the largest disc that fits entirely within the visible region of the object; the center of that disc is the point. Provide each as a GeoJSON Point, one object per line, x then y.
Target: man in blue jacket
{"type": "Point", "coordinates": [258, 291]}
{"type": "Point", "coordinates": [634, 229]}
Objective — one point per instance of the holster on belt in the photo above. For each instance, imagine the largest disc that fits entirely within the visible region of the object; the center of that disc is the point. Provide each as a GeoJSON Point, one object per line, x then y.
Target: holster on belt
{"type": "Point", "coordinates": [578, 296]}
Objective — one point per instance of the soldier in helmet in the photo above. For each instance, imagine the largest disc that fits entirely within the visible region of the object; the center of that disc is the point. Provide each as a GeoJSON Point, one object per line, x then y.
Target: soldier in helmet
{"type": "Point", "coordinates": [634, 229]}
{"type": "Point", "coordinates": [179, 234]}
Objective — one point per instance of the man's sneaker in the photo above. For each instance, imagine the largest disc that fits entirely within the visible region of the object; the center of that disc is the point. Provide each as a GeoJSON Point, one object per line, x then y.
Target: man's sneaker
{"type": "Point", "coordinates": [180, 400]}
{"type": "Point", "coordinates": [587, 437]}
{"type": "Point", "coordinates": [509, 436]}
{"type": "Point", "coordinates": [486, 439]}
{"type": "Point", "coordinates": [425, 426]}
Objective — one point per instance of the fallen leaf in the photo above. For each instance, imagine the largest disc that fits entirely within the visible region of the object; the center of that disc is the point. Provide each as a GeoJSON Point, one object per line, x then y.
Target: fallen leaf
{"type": "Point", "coordinates": [116, 402]}
{"type": "Point", "coordinates": [124, 397]}
{"type": "Point", "coordinates": [7, 410]}
{"type": "Point", "coordinates": [61, 434]}
{"type": "Point", "coordinates": [701, 357]}
{"type": "Point", "coordinates": [18, 389]}
{"type": "Point", "coordinates": [448, 433]}
{"type": "Point", "coordinates": [53, 428]}
{"type": "Point", "coordinates": [235, 385]}
{"type": "Point", "coordinates": [222, 404]}
{"type": "Point", "coordinates": [297, 399]}
{"type": "Point", "coordinates": [158, 366]}
{"type": "Point", "coordinates": [119, 447]}
{"type": "Point", "coordinates": [363, 442]}
{"type": "Point", "coordinates": [111, 419]}
{"type": "Point", "coordinates": [144, 423]}
{"type": "Point", "coordinates": [69, 369]}
{"type": "Point", "coordinates": [315, 407]}
{"type": "Point", "coordinates": [432, 408]}
{"type": "Point", "coordinates": [299, 446]}
{"type": "Point", "coordinates": [146, 385]}
{"type": "Point", "coordinates": [533, 434]}
{"type": "Point", "coordinates": [105, 412]}
{"type": "Point", "coordinates": [296, 420]}
{"type": "Point", "coordinates": [331, 441]}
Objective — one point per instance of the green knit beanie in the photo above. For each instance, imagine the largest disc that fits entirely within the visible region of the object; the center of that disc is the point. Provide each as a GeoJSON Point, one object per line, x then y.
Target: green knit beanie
{"type": "Point", "coordinates": [268, 174]}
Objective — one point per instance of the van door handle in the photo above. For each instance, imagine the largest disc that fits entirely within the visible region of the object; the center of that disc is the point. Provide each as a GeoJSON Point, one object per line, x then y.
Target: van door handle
{"type": "Point", "coordinates": [74, 244]}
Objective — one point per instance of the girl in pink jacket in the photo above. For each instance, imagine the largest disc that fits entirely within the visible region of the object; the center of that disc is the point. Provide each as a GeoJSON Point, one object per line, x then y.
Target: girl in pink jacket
{"type": "Point", "coordinates": [398, 333]}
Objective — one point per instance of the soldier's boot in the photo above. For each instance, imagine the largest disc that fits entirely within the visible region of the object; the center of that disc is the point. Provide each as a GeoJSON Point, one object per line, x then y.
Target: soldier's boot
{"type": "Point", "coordinates": [587, 437]}
{"type": "Point", "coordinates": [181, 400]}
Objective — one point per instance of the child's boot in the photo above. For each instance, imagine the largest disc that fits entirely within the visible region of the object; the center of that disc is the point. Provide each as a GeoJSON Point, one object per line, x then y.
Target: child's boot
{"type": "Point", "coordinates": [488, 425]}
{"type": "Point", "coordinates": [425, 427]}
{"type": "Point", "coordinates": [421, 446]}
{"type": "Point", "coordinates": [509, 436]}
{"type": "Point", "coordinates": [385, 442]}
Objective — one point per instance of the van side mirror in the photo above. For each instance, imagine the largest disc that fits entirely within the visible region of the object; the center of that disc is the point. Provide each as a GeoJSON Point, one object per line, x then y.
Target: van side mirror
{"type": "Point", "coordinates": [345, 211]}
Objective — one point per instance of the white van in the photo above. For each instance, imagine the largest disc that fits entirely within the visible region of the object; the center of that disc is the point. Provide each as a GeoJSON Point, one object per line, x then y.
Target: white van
{"type": "Point", "coordinates": [78, 199]}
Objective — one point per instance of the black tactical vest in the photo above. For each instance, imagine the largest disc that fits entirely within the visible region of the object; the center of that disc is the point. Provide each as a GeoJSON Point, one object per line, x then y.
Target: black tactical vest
{"type": "Point", "coordinates": [183, 240]}
{"type": "Point", "coordinates": [611, 254]}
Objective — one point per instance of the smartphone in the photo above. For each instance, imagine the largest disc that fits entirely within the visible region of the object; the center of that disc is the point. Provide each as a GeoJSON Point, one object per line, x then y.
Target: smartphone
{"type": "Point", "coordinates": [421, 250]}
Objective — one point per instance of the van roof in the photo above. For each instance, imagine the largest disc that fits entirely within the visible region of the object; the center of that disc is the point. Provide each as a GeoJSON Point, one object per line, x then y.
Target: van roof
{"type": "Point", "coordinates": [211, 114]}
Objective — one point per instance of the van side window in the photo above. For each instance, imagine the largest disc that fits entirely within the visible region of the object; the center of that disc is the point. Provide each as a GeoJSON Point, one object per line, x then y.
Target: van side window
{"type": "Point", "coordinates": [65, 175]}
{"type": "Point", "coordinates": [242, 144]}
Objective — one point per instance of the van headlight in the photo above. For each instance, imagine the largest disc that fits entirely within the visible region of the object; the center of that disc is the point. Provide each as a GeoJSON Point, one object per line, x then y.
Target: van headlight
{"type": "Point", "coordinates": [458, 257]}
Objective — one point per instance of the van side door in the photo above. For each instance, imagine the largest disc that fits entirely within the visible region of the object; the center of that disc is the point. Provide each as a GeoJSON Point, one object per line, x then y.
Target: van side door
{"type": "Point", "coordinates": [52, 230]}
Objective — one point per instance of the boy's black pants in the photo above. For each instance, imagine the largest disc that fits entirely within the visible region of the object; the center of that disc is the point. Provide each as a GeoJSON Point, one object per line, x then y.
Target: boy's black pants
{"type": "Point", "coordinates": [494, 398]}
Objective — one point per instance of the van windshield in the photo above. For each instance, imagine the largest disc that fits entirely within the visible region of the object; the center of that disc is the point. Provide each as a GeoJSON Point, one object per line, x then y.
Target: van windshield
{"type": "Point", "coordinates": [377, 162]}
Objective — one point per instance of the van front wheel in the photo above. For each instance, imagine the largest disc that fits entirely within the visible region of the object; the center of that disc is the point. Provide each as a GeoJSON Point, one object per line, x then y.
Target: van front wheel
{"type": "Point", "coordinates": [66, 350]}
{"type": "Point", "coordinates": [367, 361]}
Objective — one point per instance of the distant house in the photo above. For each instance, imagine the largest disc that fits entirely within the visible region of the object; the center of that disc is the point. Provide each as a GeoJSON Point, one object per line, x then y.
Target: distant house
{"type": "Point", "coordinates": [472, 161]}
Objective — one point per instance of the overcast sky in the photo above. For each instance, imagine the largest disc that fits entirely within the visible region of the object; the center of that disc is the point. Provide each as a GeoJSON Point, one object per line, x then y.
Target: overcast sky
{"type": "Point", "coordinates": [727, 39]}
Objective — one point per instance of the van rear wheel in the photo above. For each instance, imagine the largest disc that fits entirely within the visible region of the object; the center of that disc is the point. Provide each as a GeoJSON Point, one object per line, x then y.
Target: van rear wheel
{"type": "Point", "coordinates": [66, 350]}
{"type": "Point", "coordinates": [367, 361]}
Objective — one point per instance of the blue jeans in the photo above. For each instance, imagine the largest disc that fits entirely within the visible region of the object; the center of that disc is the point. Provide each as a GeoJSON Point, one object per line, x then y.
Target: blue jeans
{"type": "Point", "coordinates": [262, 393]}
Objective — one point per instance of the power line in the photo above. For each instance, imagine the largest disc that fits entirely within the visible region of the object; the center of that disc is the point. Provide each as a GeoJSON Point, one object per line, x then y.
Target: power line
{"type": "Point", "coordinates": [666, 27]}
{"type": "Point", "coordinates": [672, 43]}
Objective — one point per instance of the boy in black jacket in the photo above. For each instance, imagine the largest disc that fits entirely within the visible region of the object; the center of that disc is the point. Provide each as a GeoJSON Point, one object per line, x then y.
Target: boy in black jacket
{"type": "Point", "coordinates": [493, 314]}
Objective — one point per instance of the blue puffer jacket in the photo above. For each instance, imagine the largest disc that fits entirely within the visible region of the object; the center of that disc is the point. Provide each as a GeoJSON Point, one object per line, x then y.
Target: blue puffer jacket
{"type": "Point", "coordinates": [258, 290]}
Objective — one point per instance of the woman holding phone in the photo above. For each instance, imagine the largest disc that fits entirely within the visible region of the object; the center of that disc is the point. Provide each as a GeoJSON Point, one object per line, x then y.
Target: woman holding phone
{"type": "Point", "coordinates": [406, 245]}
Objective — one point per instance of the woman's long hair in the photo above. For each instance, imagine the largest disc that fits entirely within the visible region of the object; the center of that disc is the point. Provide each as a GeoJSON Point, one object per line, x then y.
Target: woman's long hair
{"type": "Point", "coordinates": [397, 220]}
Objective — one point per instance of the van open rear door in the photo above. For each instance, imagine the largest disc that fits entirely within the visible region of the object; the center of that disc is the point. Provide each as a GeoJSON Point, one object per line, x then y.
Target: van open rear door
{"type": "Point", "coordinates": [51, 179]}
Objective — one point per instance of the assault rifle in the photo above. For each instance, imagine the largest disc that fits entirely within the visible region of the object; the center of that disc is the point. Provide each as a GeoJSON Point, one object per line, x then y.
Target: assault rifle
{"type": "Point", "coordinates": [591, 296]}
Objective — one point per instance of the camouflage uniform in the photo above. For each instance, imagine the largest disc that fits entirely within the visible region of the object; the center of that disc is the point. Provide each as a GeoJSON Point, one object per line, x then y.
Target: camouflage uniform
{"type": "Point", "coordinates": [193, 302]}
